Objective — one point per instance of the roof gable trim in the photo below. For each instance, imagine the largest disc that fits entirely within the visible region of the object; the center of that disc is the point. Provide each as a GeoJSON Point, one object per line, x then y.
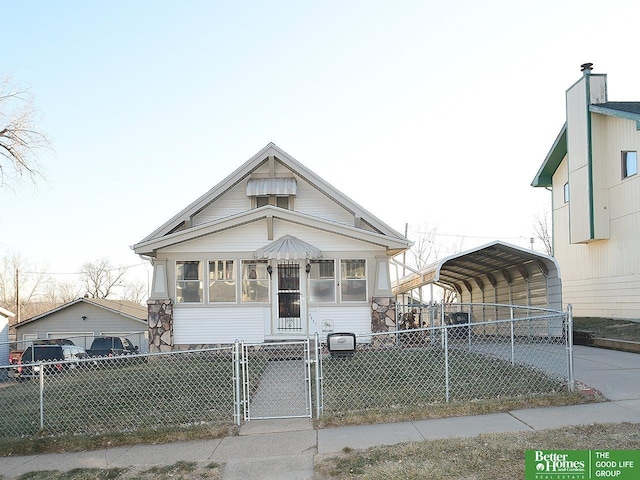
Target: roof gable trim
{"type": "Point", "coordinates": [544, 177]}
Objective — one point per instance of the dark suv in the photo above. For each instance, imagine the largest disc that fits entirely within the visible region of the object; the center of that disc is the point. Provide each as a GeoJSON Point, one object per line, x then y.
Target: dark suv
{"type": "Point", "coordinates": [58, 356]}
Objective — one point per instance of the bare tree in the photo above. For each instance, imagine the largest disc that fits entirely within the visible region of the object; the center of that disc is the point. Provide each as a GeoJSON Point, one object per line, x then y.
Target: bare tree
{"type": "Point", "coordinates": [100, 278]}
{"type": "Point", "coordinates": [20, 286]}
{"type": "Point", "coordinates": [55, 292]}
{"type": "Point", "coordinates": [19, 138]}
{"type": "Point", "coordinates": [424, 248]}
{"type": "Point", "coordinates": [543, 232]}
{"type": "Point", "coordinates": [135, 291]}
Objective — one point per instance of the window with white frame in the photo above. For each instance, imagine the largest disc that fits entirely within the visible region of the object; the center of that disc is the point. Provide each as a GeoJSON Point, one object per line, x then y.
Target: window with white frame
{"type": "Point", "coordinates": [322, 281]}
{"type": "Point", "coordinates": [222, 281]}
{"type": "Point", "coordinates": [566, 192]}
{"type": "Point", "coordinates": [629, 164]}
{"type": "Point", "coordinates": [353, 280]}
{"type": "Point", "coordinates": [255, 281]}
{"type": "Point", "coordinates": [189, 285]}
{"type": "Point", "coordinates": [282, 201]}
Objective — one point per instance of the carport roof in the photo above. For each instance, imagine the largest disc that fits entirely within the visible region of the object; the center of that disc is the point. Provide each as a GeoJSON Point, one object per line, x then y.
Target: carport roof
{"type": "Point", "coordinates": [484, 261]}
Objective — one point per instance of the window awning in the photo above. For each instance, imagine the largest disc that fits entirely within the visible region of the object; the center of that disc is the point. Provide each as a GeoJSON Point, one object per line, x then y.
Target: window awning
{"type": "Point", "coordinates": [271, 186]}
{"type": "Point", "coordinates": [288, 247]}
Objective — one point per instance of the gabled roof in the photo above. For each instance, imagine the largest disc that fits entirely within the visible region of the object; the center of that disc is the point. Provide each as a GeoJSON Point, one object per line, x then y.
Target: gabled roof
{"type": "Point", "coordinates": [626, 110]}
{"type": "Point", "coordinates": [552, 161]}
{"type": "Point", "coordinates": [250, 166]}
{"type": "Point", "coordinates": [6, 313]}
{"type": "Point", "coordinates": [125, 308]}
{"type": "Point", "coordinates": [393, 244]}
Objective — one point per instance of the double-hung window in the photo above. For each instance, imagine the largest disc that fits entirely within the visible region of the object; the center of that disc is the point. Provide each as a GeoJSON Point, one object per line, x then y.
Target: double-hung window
{"type": "Point", "coordinates": [255, 281]}
{"type": "Point", "coordinates": [222, 281]}
{"type": "Point", "coordinates": [322, 281]}
{"type": "Point", "coordinates": [189, 285]}
{"type": "Point", "coordinates": [629, 164]}
{"type": "Point", "coordinates": [353, 280]}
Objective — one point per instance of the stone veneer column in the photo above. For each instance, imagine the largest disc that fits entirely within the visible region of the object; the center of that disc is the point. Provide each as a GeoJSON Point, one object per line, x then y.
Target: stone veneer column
{"type": "Point", "coordinates": [383, 314]}
{"type": "Point", "coordinates": [160, 324]}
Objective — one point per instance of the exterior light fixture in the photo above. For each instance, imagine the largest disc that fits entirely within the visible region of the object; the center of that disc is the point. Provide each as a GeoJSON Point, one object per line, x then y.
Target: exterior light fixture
{"type": "Point", "coordinates": [308, 269]}
{"type": "Point", "coordinates": [83, 317]}
{"type": "Point", "coordinates": [269, 269]}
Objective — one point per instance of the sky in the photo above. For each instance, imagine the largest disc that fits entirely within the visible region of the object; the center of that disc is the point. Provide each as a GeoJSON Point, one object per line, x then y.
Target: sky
{"type": "Point", "coordinates": [431, 114]}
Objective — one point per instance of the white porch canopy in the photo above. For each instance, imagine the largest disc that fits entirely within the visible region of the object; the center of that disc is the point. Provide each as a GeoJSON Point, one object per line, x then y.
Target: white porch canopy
{"type": "Point", "coordinates": [288, 247]}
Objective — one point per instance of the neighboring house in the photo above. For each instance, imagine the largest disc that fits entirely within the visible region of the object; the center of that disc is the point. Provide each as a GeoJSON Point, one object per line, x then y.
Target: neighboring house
{"type": "Point", "coordinates": [592, 171]}
{"type": "Point", "coordinates": [5, 316]}
{"type": "Point", "coordinates": [85, 318]}
{"type": "Point", "coordinates": [273, 252]}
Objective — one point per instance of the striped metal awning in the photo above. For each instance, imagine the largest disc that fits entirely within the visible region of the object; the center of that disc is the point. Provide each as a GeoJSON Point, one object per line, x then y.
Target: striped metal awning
{"type": "Point", "coordinates": [271, 186]}
{"type": "Point", "coordinates": [288, 247]}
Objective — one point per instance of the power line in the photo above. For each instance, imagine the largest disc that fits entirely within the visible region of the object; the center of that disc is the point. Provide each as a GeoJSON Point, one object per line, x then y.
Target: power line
{"type": "Point", "coordinates": [79, 273]}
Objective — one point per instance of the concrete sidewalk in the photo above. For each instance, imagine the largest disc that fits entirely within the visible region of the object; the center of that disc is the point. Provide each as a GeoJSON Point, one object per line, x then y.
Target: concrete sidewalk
{"type": "Point", "coordinates": [284, 449]}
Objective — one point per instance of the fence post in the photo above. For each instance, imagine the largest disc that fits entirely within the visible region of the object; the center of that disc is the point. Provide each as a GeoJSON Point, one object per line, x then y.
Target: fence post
{"type": "Point", "coordinates": [318, 358]}
{"type": "Point", "coordinates": [41, 378]}
{"type": "Point", "coordinates": [237, 374]}
{"type": "Point", "coordinates": [513, 347]}
{"type": "Point", "coordinates": [569, 343]}
{"type": "Point", "coordinates": [446, 361]}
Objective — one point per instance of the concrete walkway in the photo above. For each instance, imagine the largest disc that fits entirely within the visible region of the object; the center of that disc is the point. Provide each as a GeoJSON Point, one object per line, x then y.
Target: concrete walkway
{"type": "Point", "coordinates": [284, 449]}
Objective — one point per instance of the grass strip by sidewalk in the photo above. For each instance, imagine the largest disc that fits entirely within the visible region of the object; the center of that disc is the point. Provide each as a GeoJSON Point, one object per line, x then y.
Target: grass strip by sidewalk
{"type": "Point", "coordinates": [484, 457]}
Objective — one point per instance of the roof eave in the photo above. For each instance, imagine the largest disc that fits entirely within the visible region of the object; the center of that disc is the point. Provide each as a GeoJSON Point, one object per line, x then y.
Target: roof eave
{"type": "Point", "coordinates": [544, 177]}
{"type": "Point", "coordinates": [392, 244]}
{"type": "Point", "coordinates": [613, 112]}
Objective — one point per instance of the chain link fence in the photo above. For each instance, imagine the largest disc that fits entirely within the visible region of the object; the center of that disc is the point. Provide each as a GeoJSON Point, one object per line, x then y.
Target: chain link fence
{"type": "Point", "coordinates": [452, 357]}
{"type": "Point", "coordinates": [277, 380]}
{"type": "Point", "coordinates": [119, 394]}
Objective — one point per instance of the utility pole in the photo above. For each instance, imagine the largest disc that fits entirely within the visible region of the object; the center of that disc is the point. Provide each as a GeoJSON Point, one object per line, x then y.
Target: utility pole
{"type": "Point", "coordinates": [17, 296]}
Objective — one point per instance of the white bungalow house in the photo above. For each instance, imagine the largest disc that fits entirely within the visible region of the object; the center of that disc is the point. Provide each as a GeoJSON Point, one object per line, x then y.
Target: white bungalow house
{"type": "Point", "coordinates": [273, 252]}
{"type": "Point", "coordinates": [592, 171]}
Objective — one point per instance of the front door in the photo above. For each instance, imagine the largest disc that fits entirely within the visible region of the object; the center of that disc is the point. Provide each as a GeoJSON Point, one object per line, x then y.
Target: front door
{"type": "Point", "coordinates": [291, 318]}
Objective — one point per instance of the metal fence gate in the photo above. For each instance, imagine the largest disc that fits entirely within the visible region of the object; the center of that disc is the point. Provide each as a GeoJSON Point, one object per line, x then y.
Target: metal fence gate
{"type": "Point", "coordinates": [276, 380]}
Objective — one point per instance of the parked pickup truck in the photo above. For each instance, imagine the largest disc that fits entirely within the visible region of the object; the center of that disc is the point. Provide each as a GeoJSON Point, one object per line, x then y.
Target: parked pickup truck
{"type": "Point", "coordinates": [111, 347]}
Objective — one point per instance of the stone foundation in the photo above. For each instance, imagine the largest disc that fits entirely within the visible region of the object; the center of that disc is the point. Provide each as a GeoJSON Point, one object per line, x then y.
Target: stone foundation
{"type": "Point", "coordinates": [383, 314]}
{"type": "Point", "coordinates": [160, 324]}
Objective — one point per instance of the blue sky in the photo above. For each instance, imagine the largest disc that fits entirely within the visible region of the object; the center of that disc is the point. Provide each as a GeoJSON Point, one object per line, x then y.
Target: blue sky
{"type": "Point", "coordinates": [436, 114]}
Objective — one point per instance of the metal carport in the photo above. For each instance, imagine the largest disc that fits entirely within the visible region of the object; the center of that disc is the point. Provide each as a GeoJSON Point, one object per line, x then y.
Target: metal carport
{"type": "Point", "coordinates": [497, 273]}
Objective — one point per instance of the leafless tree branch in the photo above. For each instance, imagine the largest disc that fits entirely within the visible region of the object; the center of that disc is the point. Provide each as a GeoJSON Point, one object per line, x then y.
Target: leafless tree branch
{"type": "Point", "coordinates": [543, 233]}
{"type": "Point", "coordinates": [19, 138]}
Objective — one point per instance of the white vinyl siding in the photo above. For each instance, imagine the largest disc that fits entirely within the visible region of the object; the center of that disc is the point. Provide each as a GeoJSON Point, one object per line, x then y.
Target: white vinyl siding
{"type": "Point", "coordinates": [348, 318]}
{"type": "Point", "coordinates": [311, 202]}
{"type": "Point", "coordinates": [208, 326]}
{"type": "Point", "coordinates": [252, 236]}
{"type": "Point", "coordinates": [230, 203]}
